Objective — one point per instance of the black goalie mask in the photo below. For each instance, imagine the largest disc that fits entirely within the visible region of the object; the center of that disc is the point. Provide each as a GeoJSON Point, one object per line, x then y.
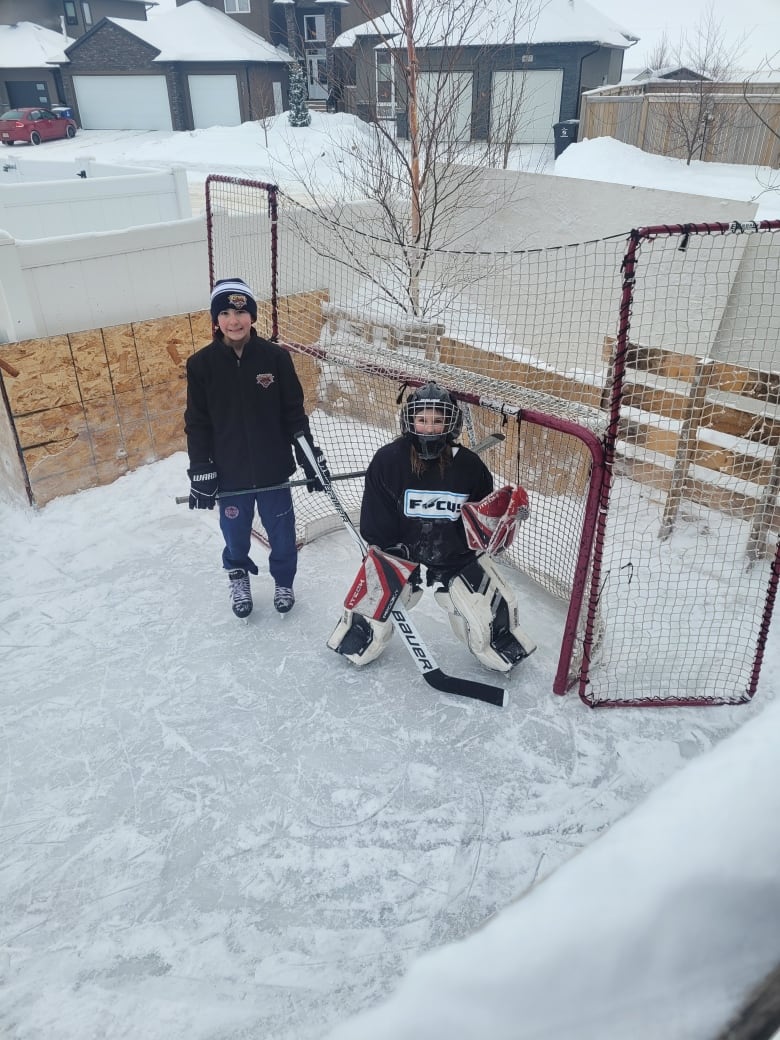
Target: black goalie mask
{"type": "Point", "coordinates": [431, 419]}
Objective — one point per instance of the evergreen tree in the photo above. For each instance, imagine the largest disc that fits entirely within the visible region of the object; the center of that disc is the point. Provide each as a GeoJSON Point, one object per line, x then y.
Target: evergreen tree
{"type": "Point", "coordinates": [299, 113]}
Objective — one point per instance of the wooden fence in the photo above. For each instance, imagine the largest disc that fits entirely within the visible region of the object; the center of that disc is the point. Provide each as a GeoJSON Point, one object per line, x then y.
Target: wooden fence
{"type": "Point", "coordinates": [642, 114]}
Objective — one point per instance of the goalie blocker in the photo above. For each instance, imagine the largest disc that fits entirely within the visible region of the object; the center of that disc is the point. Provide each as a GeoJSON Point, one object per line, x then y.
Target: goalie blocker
{"type": "Point", "coordinates": [481, 607]}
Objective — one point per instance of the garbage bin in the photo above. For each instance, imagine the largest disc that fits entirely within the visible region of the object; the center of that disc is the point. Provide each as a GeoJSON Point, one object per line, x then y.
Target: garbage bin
{"type": "Point", "coordinates": [62, 111]}
{"type": "Point", "coordinates": [565, 133]}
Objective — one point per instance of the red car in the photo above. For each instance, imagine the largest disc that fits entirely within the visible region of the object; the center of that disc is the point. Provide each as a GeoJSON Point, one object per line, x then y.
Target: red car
{"type": "Point", "coordinates": [34, 125]}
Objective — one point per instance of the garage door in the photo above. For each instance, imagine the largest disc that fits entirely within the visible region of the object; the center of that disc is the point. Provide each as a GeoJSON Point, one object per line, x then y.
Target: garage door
{"type": "Point", "coordinates": [123, 102]}
{"type": "Point", "coordinates": [445, 104]}
{"type": "Point", "coordinates": [214, 101]}
{"type": "Point", "coordinates": [524, 105]}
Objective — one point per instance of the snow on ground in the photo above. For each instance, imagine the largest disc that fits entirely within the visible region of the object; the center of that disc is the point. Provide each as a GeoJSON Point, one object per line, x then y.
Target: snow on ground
{"type": "Point", "coordinates": [220, 830]}
{"type": "Point", "coordinates": [289, 156]}
{"type": "Point", "coordinates": [215, 829]}
{"type": "Point", "coordinates": [605, 159]}
{"type": "Point", "coordinates": [269, 150]}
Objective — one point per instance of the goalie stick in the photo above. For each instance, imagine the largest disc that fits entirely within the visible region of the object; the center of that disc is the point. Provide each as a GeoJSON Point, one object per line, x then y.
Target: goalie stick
{"type": "Point", "coordinates": [420, 653]}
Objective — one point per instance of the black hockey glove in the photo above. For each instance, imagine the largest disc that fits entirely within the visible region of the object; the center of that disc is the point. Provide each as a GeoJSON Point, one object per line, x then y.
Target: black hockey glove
{"type": "Point", "coordinates": [204, 485]}
{"type": "Point", "coordinates": [313, 483]}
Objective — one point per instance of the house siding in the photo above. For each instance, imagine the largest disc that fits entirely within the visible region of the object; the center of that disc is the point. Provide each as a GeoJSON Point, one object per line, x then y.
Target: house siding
{"type": "Point", "coordinates": [268, 20]}
{"type": "Point", "coordinates": [110, 50]}
{"type": "Point", "coordinates": [578, 63]}
{"type": "Point", "coordinates": [47, 13]}
{"type": "Point", "coordinates": [50, 78]}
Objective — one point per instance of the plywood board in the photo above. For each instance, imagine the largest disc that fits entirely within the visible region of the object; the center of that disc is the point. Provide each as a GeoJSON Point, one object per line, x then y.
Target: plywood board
{"type": "Point", "coordinates": [57, 459]}
{"type": "Point", "coordinates": [54, 427]}
{"type": "Point", "coordinates": [47, 377]}
{"type": "Point", "coordinates": [300, 316]}
{"type": "Point", "coordinates": [162, 347]}
{"type": "Point", "coordinates": [91, 364]}
{"type": "Point", "coordinates": [202, 329]}
{"type": "Point", "coordinates": [136, 431]}
{"type": "Point", "coordinates": [165, 409]}
{"type": "Point", "coordinates": [105, 433]}
{"type": "Point", "coordinates": [124, 371]}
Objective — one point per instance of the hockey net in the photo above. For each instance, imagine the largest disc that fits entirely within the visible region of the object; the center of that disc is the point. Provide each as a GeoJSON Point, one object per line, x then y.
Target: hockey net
{"type": "Point", "coordinates": [619, 371]}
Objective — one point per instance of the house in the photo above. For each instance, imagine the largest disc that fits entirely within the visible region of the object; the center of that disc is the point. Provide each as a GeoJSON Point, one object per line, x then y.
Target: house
{"type": "Point", "coordinates": [33, 36]}
{"type": "Point", "coordinates": [29, 73]}
{"type": "Point", "coordinates": [673, 72]}
{"type": "Point", "coordinates": [308, 29]}
{"type": "Point", "coordinates": [502, 71]}
{"type": "Point", "coordinates": [185, 69]}
{"type": "Point", "coordinates": [74, 17]}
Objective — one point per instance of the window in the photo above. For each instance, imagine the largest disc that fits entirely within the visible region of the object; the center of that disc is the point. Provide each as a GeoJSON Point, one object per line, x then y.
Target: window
{"type": "Point", "coordinates": [71, 18]}
{"type": "Point", "coordinates": [237, 7]}
{"type": "Point", "coordinates": [87, 12]}
{"type": "Point", "coordinates": [384, 77]}
{"type": "Point", "coordinates": [314, 28]}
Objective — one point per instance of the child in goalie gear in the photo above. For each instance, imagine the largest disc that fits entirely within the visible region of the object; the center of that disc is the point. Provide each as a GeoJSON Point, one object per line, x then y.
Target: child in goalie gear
{"type": "Point", "coordinates": [416, 489]}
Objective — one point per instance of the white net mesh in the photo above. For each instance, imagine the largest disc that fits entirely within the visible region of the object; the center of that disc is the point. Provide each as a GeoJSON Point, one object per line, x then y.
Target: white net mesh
{"type": "Point", "coordinates": [679, 600]}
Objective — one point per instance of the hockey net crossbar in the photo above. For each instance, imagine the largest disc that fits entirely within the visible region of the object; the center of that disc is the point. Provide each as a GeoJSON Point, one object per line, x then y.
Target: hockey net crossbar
{"type": "Point", "coordinates": [636, 383]}
{"type": "Point", "coordinates": [505, 397]}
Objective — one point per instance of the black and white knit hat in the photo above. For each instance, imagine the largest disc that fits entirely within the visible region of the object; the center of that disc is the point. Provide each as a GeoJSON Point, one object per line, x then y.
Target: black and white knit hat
{"type": "Point", "coordinates": [232, 292]}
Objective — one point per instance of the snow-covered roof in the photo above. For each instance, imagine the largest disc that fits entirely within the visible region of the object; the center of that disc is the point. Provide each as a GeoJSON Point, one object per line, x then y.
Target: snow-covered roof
{"type": "Point", "coordinates": [669, 72]}
{"type": "Point", "coordinates": [558, 21]}
{"type": "Point", "coordinates": [29, 46]}
{"type": "Point", "coordinates": [195, 32]}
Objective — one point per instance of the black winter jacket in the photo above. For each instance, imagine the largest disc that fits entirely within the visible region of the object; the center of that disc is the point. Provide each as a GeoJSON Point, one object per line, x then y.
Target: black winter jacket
{"type": "Point", "coordinates": [242, 414]}
{"type": "Point", "coordinates": [422, 512]}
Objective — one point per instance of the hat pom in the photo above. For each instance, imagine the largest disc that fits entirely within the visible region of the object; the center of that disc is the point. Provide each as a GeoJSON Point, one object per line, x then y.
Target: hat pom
{"type": "Point", "coordinates": [232, 293]}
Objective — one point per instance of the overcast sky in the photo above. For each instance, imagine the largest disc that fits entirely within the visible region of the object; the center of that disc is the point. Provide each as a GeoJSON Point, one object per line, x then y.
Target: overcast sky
{"type": "Point", "coordinates": [757, 20]}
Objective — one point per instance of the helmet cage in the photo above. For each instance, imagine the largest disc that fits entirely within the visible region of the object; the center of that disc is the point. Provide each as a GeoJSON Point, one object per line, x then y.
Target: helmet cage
{"type": "Point", "coordinates": [431, 445]}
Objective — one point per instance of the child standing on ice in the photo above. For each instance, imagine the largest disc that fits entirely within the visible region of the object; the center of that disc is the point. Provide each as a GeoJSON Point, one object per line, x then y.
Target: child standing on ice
{"type": "Point", "coordinates": [244, 410]}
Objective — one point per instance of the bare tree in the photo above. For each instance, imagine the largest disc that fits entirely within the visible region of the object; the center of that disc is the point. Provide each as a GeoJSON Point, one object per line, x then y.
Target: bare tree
{"type": "Point", "coordinates": [510, 92]}
{"type": "Point", "coordinates": [691, 115]}
{"type": "Point", "coordinates": [262, 108]}
{"type": "Point", "coordinates": [421, 183]}
{"type": "Point", "coordinates": [660, 57]}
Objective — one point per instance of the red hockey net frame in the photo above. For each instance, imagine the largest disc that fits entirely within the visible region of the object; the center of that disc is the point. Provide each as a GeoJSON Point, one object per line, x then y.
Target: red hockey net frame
{"type": "Point", "coordinates": [559, 349]}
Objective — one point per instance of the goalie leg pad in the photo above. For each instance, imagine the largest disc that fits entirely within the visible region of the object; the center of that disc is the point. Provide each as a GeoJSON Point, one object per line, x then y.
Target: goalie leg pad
{"type": "Point", "coordinates": [457, 621]}
{"type": "Point", "coordinates": [360, 639]}
{"type": "Point", "coordinates": [484, 611]}
{"type": "Point", "coordinates": [381, 580]}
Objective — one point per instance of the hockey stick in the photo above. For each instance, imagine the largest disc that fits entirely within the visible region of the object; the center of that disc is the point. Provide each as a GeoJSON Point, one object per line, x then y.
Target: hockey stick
{"type": "Point", "coordinates": [420, 653]}
{"type": "Point", "coordinates": [478, 449]}
{"type": "Point", "coordinates": [181, 499]}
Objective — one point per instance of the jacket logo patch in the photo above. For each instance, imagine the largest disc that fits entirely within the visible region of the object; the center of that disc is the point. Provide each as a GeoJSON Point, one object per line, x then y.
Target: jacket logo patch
{"type": "Point", "coordinates": [433, 505]}
{"type": "Point", "coordinates": [265, 379]}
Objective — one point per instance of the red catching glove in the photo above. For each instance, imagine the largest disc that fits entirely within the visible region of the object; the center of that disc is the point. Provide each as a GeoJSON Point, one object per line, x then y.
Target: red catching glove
{"type": "Point", "coordinates": [490, 524]}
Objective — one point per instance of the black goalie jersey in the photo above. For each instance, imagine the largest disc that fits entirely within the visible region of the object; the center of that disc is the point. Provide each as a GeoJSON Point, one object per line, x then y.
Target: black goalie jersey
{"type": "Point", "coordinates": [422, 512]}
